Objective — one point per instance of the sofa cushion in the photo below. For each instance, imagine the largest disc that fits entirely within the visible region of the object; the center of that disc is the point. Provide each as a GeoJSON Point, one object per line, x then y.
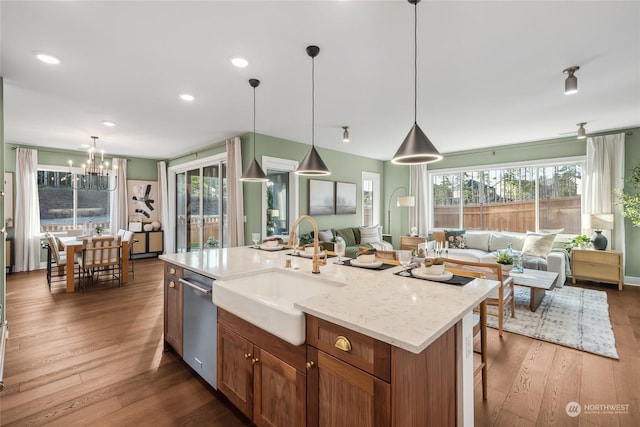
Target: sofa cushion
{"type": "Point", "coordinates": [501, 240]}
{"type": "Point", "coordinates": [369, 234]}
{"type": "Point", "coordinates": [538, 244]}
{"type": "Point", "coordinates": [478, 240]}
{"type": "Point", "coordinates": [473, 255]}
{"type": "Point", "coordinates": [347, 235]}
{"type": "Point", "coordinates": [455, 238]}
{"type": "Point", "coordinates": [325, 235]}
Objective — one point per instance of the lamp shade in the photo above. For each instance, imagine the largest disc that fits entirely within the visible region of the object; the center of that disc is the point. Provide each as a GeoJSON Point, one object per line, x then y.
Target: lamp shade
{"type": "Point", "coordinates": [406, 201]}
{"type": "Point", "coordinates": [601, 221]}
{"type": "Point", "coordinates": [254, 173]}
{"type": "Point", "coordinates": [416, 149]}
{"type": "Point", "coordinates": [312, 164]}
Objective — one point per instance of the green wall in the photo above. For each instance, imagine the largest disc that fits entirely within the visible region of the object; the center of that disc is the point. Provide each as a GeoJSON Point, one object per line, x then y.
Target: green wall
{"type": "Point", "coordinates": [553, 149]}
{"type": "Point", "coordinates": [344, 168]}
{"type": "Point", "coordinates": [137, 168]}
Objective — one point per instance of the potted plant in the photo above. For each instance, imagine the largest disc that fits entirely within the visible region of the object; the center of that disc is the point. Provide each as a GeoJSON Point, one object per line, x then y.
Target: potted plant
{"type": "Point", "coordinates": [99, 229]}
{"type": "Point", "coordinates": [581, 241]}
{"type": "Point", "coordinates": [630, 201]}
{"type": "Point", "coordinates": [506, 261]}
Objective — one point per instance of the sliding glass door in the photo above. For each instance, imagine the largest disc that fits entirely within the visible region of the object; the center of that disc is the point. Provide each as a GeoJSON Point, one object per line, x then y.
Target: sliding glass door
{"type": "Point", "coordinates": [201, 207]}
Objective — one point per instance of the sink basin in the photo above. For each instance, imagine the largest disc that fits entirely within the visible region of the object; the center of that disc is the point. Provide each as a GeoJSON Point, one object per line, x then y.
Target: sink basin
{"type": "Point", "coordinates": [266, 299]}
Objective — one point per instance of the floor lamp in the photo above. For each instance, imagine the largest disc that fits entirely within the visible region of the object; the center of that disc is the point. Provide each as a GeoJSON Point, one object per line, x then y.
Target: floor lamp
{"type": "Point", "coordinates": [403, 201]}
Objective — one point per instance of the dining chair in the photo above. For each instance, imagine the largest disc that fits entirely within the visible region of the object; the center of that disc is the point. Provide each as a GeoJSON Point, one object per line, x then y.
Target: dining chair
{"type": "Point", "coordinates": [390, 255]}
{"type": "Point", "coordinates": [128, 236]}
{"type": "Point", "coordinates": [479, 328]}
{"type": "Point", "coordinates": [500, 298]}
{"type": "Point", "coordinates": [100, 255]}
{"type": "Point", "coordinates": [56, 260]}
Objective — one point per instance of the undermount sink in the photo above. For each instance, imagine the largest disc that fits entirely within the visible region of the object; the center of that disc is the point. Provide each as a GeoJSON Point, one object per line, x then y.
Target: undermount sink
{"type": "Point", "coordinates": [266, 299]}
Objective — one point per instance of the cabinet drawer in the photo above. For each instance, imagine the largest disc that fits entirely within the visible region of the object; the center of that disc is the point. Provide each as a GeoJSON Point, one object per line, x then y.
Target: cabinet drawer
{"type": "Point", "coordinates": [596, 257]}
{"type": "Point", "coordinates": [359, 350]}
{"type": "Point", "coordinates": [172, 270]}
{"type": "Point", "coordinates": [592, 271]}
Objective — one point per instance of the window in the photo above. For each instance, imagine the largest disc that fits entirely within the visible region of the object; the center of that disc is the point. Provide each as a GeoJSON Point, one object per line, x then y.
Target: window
{"type": "Point", "coordinates": [63, 208]}
{"type": "Point", "coordinates": [515, 198]}
{"type": "Point", "coordinates": [370, 198]}
{"type": "Point", "coordinates": [279, 196]}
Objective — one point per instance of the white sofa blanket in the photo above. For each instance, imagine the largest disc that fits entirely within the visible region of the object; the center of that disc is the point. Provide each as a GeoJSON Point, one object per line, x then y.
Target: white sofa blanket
{"type": "Point", "coordinates": [483, 246]}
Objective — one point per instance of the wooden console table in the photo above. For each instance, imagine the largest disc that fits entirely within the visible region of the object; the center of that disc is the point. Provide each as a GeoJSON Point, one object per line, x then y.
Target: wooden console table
{"type": "Point", "coordinates": [597, 266]}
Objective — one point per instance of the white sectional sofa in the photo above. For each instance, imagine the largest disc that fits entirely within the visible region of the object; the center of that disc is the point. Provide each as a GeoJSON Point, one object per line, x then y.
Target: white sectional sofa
{"type": "Point", "coordinates": [482, 246]}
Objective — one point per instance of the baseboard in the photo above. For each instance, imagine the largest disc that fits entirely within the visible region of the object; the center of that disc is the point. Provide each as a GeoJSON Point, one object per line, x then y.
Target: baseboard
{"type": "Point", "coordinates": [631, 281]}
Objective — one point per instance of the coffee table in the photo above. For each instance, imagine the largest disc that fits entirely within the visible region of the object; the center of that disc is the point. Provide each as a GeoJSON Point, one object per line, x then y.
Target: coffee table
{"type": "Point", "coordinates": [538, 281]}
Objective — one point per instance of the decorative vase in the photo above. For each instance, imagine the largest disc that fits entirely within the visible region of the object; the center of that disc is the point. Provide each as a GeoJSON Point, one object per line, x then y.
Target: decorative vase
{"type": "Point", "coordinates": [598, 240]}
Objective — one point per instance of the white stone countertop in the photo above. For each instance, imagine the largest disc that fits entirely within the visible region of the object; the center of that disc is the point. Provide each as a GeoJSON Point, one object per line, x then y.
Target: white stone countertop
{"type": "Point", "coordinates": [405, 312]}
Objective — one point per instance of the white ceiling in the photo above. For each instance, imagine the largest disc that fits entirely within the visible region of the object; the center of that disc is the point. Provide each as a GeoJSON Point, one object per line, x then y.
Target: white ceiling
{"type": "Point", "coordinates": [490, 73]}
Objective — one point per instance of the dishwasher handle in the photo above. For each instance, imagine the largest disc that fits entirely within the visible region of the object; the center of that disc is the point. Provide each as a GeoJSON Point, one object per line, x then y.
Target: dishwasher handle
{"type": "Point", "coordinates": [196, 287]}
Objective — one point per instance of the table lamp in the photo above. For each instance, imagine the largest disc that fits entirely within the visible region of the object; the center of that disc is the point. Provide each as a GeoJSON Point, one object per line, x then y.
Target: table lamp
{"type": "Point", "coordinates": [598, 223]}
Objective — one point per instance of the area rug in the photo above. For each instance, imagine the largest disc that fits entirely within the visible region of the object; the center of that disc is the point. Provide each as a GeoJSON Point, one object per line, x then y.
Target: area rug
{"type": "Point", "coordinates": [569, 316]}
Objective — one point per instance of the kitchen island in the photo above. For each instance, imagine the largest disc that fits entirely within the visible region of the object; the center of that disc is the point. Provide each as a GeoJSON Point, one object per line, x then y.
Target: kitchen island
{"type": "Point", "coordinates": [409, 340]}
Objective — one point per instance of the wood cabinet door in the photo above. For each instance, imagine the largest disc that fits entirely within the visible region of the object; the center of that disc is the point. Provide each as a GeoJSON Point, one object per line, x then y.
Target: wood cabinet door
{"type": "Point", "coordinates": [173, 313]}
{"type": "Point", "coordinates": [235, 370]}
{"type": "Point", "coordinates": [279, 392]}
{"type": "Point", "coordinates": [155, 241]}
{"type": "Point", "coordinates": [140, 246]}
{"type": "Point", "coordinates": [339, 394]}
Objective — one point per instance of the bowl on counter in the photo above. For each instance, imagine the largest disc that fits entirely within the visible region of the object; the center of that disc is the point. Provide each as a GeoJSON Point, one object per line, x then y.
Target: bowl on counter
{"type": "Point", "coordinates": [366, 258]}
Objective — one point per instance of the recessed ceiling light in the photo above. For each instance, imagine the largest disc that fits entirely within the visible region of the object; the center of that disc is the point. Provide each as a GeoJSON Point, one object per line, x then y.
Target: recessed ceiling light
{"type": "Point", "coordinates": [108, 123]}
{"type": "Point", "coordinates": [46, 58]}
{"type": "Point", "coordinates": [239, 62]}
{"type": "Point", "coordinates": [187, 97]}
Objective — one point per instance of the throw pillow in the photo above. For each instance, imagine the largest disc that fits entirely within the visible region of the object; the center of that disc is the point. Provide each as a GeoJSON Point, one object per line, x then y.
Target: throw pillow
{"type": "Point", "coordinates": [347, 235]}
{"type": "Point", "coordinates": [477, 240]}
{"type": "Point", "coordinates": [369, 234]}
{"type": "Point", "coordinates": [538, 244]}
{"type": "Point", "coordinates": [455, 239]}
{"type": "Point", "coordinates": [325, 236]}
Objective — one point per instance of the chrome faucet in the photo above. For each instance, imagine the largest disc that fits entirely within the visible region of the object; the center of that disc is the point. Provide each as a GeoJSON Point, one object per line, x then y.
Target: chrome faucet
{"type": "Point", "coordinates": [292, 238]}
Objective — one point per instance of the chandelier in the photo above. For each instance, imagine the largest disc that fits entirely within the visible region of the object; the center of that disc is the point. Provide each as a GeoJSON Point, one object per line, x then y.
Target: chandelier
{"type": "Point", "coordinates": [96, 175]}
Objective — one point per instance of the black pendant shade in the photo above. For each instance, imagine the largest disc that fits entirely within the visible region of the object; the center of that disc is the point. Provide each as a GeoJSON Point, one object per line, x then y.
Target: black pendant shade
{"type": "Point", "coordinates": [312, 164]}
{"type": "Point", "coordinates": [416, 149]}
{"type": "Point", "coordinates": [254, 172]}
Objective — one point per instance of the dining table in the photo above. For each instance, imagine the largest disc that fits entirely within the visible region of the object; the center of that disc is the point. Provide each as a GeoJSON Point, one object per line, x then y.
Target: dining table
{"type": "Point", "coordinates": [73, 244]}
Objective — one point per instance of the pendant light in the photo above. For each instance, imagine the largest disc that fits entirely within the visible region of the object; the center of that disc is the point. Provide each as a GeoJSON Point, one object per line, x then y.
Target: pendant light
{"type": "Point", "coordinates": [345, 134]}
{"type": "Point", "coordinates": [312, 163]}
{"type": "Point", "coordinates": [416, 148]}
{"type": "Point", "coordinates": [254, 172]}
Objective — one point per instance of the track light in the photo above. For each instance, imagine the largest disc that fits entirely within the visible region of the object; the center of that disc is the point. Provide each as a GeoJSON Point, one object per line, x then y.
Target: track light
{"type": "Point", "coordinates": [582, 133]}
{"type": "Point", "coordinates": [345, 134]}
{"type": "Point", "coordinates": [571, 82]}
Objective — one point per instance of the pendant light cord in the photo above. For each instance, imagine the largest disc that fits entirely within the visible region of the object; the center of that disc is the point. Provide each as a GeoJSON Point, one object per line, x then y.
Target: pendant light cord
{"type": "Point", "coordinates": [313, 101]}
{"type": "Point", "coordinates": [254, 123]}
{"type": "Point", "coordinates": [415, 63]}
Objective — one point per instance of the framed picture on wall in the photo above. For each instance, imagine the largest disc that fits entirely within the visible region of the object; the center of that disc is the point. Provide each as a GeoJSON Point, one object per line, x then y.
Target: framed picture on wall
{"type": "Point", "coordinates": [143, 200]}
{"type": "Point", "coordinates": [345, 198]}
{"type": "Point", "coordinates": [321, 197]}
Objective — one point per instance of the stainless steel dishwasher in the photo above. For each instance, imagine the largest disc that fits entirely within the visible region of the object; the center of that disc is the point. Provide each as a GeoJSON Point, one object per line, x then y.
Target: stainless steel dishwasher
{"type": "Point", "coordinates": [200, 326]}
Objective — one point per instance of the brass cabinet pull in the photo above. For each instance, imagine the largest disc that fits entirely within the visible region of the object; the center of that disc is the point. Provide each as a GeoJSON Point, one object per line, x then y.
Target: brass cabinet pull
{"type": "Point", "coordinates": [172, 270]}
{"type": "Point", "coordinates": [254, 361]}
{"type": "Point", "coordinates": [343, 343]}
{"type": "Point", "coordinates": [247, 355]}
{"type": "Point", "coordinates": [172, 284]}
{"type": "Point", "coordinates": [310, 364]}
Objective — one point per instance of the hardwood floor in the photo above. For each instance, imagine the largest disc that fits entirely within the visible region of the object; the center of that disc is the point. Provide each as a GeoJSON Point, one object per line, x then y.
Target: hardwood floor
{"type": "Point", "coordinates": [531, 382]}
{"type": "Point", "coordinates": [97, 359]}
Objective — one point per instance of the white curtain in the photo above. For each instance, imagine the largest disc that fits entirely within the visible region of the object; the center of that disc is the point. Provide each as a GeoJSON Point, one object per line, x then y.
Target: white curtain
{"type": "Point", "coordinates": [604, 172]}
{"type": "Point", "coordinates": [235, 208]}
{"type": "Point", "coordinates": [418, 187]}
{"type": "Point", "coordinates": [119, 217]}
{"type": "Point", "coordinates": [27, 221]}
{"type": "Point", "coordinates": [163, 202]}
